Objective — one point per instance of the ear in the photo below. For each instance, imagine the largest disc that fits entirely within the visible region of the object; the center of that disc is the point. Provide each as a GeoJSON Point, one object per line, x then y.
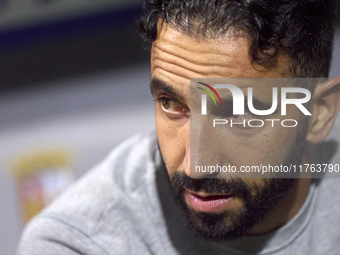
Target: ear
{"type": "Point", "coordinates": [325, 107]}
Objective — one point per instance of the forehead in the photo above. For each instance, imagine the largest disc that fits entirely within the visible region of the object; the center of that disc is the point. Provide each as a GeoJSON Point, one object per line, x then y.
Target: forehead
{"type": "Point", "coordinates": [177, 57]}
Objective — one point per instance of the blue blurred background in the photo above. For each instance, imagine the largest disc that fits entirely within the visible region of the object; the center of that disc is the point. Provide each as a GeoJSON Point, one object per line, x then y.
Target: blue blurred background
{"type": "Point", "coordinates": [74, 77]}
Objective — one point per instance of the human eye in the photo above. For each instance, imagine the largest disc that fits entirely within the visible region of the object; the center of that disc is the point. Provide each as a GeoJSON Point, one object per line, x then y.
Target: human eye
{"type": "Point", "coordinates": [246, 116]}
{"type": "Point", "coordinates": [244, 119]}
{"type": "Point", "coordinates": [172, 107]}
{"type": "Point", "coordinates": [228, 114]}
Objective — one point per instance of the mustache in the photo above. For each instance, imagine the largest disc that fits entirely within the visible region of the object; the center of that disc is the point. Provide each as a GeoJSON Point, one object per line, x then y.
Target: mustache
{"type": "Point", "coordinates": [235, 185]}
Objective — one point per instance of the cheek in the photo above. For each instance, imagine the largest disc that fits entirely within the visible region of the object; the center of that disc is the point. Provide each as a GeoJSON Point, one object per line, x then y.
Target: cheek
{"type": "Point", "coordinates": [270, 146]}
{"type": "Point", "coordinates": [273, 146]}
{"type": "Point", "coordinates": [281, 140]}
{"type": "Point", "coordinates": [172, 141]}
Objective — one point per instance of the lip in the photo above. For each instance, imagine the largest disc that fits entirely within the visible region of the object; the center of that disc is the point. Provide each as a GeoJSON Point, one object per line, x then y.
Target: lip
{"type": "Point", "coordinates": [204, 202]}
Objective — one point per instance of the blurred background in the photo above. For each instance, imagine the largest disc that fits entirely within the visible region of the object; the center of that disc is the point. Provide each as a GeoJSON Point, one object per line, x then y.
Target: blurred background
{"type": "Point", "coordinates": [74, 77]}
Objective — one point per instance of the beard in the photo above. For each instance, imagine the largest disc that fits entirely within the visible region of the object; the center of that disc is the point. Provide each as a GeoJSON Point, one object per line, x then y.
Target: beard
{"type": "Point", "coordinates": [257, 199]}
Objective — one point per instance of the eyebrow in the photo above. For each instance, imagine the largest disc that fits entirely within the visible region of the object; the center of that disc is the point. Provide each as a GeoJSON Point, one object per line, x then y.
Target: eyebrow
{"type": "Point", "coordinates": [157, 84]}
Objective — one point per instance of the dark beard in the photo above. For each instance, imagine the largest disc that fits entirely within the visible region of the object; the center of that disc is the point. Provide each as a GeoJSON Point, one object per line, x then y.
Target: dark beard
{"type": "Point", "coordinates": [257, 199]}
{"type": "Point", "coordinates": [228, 225]}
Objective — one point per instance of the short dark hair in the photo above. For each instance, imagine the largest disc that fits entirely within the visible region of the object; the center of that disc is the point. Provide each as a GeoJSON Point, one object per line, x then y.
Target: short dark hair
{"type": "Point", "coordinates": [300, 29]}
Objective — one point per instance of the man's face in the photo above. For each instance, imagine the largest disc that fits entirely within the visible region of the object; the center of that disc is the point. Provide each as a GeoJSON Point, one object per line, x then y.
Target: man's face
{"type": "Point", "coordinates": [216, 208]}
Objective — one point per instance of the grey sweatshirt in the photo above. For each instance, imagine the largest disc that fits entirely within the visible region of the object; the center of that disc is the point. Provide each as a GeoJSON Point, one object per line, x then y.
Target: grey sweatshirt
{"type": "Point", "coordinates": [124, 206]}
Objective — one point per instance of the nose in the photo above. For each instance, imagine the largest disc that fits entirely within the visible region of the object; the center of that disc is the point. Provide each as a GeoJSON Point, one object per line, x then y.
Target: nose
{"type": "Point", "coordinates": [198, 148]}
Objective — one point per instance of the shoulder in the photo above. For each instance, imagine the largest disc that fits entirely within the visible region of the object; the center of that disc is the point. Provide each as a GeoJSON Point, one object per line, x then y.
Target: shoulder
{"type": "Point", "coordinates": [322, 235]}
{"type": "Point", "coordinates": [102, 204]}
{"type": "Point", "coordinates": [118, 176]}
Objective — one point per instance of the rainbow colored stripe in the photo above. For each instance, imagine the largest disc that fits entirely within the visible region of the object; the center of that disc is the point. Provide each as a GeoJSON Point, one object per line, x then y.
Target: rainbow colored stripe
{"type": "Point", "coordinates": [212, 89]}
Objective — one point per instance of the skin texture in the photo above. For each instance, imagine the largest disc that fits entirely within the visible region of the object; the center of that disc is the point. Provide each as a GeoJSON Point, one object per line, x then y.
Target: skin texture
{"type": "Point", "coordinates": [175, 58]}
